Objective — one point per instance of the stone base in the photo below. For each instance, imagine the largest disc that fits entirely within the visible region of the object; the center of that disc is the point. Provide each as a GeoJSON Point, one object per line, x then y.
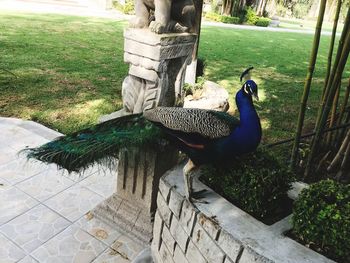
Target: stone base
{"type": "Point", "coordinates": [123, 214]}
{"type": "Point", "coordinates": [133, 205]}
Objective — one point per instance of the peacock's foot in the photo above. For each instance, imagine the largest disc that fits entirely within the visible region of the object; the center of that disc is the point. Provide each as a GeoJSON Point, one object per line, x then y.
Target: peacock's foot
{"type": "Point", "coordinates": [196, 197]}
{"type": "Point", "coordinates": [199, 194]}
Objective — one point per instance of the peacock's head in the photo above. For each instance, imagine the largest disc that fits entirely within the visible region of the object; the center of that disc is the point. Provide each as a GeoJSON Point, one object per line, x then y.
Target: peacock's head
{"type": "Point", "coordinates": [250, 88]}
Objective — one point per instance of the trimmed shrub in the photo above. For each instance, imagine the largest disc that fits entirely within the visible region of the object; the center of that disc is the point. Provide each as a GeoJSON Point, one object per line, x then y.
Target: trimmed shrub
{"type": "Point", "coordinates": [229, 19]}
{"type": "Point", "coordinates": [212, 16]}
{"type": "Point", "coordinates": [321, 218]}
{"type": "Point", "coordinates": [256, 182]}
{"type": "Point", "coordinates": [128, 8]}
{"type": "Point", "coordinates": [250, 17]}
{"type": "Point", "coordinates": [263, 21]}
{"type": "Point", "coordinates": [224, 19]}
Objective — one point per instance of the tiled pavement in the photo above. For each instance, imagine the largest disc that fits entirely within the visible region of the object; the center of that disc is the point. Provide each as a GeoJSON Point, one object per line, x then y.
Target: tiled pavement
{"type": "Point", "coordinates": [44, 212]}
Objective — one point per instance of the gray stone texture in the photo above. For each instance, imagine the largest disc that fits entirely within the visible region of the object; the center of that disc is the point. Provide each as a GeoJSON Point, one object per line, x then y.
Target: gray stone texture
{"type": "Point", "coordinates": [168, 239]}
{"type": "Point", "coordinates": [175, 202]}
{"type": "Point", "coordinates": [179, 234]}
{"type": "Point", "coordinates": [157, 68]}
{"type": "Point", "coordinates": [210, 225]}
{"type": "Point", "coordinates": [188, 217]}
{"type": "Point", "coordinates": [193, 254]}
{"type": "Point", "coordinates": [164, 210]}
{"type": "Point", "coordinates": [179, 255]}
{"type": "Point", "coordinates": [207, 246]}
{"type": "Point", "coordinates": [211, 97]}
{"type": "Point", "coordinates": [229, 245]}
{"type": "Point", "coordinates": [220, 232]}
{"type": "Point", "coordinates": [250, 256]}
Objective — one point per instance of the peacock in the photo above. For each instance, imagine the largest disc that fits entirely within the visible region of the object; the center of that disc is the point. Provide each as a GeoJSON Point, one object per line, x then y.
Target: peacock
{"type": "Point", "coordinates": [205, 136]}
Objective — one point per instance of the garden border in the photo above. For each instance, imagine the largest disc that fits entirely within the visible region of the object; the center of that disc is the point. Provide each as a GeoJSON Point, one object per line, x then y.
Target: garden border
{"type": "Point", "coordinates": [218, 231]}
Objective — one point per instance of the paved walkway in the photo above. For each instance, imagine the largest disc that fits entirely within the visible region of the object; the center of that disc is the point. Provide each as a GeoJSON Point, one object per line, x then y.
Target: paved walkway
{"type": "Point", "coordinates": [44, 212]}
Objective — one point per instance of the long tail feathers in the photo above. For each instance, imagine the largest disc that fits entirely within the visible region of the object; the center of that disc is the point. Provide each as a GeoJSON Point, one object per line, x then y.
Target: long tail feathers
{"type": "Point", "coordinates": [98, 144]}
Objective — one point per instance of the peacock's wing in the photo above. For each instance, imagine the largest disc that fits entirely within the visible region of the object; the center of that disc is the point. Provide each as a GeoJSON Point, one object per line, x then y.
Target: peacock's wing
{"type": "Point", "coordinates": [205, 123]}
{"type": "Point", "coordinates": [99, 143]}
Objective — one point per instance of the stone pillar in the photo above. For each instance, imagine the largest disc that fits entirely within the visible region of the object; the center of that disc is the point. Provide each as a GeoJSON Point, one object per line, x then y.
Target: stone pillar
{"type": "Point", "coordinates": [156, 77]}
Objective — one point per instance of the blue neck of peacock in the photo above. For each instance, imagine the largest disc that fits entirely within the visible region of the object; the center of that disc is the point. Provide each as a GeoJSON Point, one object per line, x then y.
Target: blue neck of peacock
{"type": "Point", "coordinates": [247, 112]}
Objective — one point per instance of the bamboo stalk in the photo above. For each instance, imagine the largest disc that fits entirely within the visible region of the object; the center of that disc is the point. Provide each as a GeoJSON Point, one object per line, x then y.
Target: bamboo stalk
{"type": "Point", "coordinates": [344, 163]}
{"type": "Point", "coordinates": [335, 64]}
{"type": "Point", "coordinates": [333, 113]}
{"type": "Point", "coordinates": [331, 46]}
{"type": "Point", "coordinates": [342, 111]}
{"type": "Point", "coordinates": [307, 84]}
{"type": "Point", "coordinates": [340, 154]}
{"type": "Point", "coordinates": [310, 134]}
{"type": "Point", "coordinates": [332, 89]}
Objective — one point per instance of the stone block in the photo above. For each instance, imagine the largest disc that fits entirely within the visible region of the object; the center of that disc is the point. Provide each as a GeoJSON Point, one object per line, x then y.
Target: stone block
{"type": "Point", "coordinates": [157, 231]}
{"type": "Point", "coordinates": [158, 52]}
{"type": "Point", "coordinates": [165, 255]}
{"type": "Point", "coordinates": [147, 37]}
{"type": "Point", "coordinates": [250, 256]}
{"type": "Point", "coordinates": [141, 72]}
{"type": "Point", "coordinates": [231, 246]}
{"type": "Point", "coordinates": [188, 217]}
{"type": "Point", "coordinates": [228, 260]}
{"type": "Point", "coordinates": [179, 256]}
{"type": "Point", "coordinates": [207, 246]}
{"type": "Point", "coordinates": [143, 228]}
{"type": "Point", "coordinates": [210, 225]}
{"type": "Point", "coordinates": [175, 202]}
{"type": "Point", "coordinates": [164, 189]}
{"type": "Point", "coordinates": [194, 255]}
{"type": "Point", "coordinates": [168, 239]}
{"type": "Point", "coordinates": [146, 63]}
{"type": "Point", "coordinates": [155, 253]}
{"type": "Point", "coordinates": [180, 236]}
{"type": "Point", "coordinates": [164, 210]}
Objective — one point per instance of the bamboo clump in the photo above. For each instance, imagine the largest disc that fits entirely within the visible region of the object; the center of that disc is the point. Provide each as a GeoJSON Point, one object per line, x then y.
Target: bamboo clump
{"type": "Point", "coordinates": [308, 80]}
{"type": "Point", "coordinates": [331, 113]}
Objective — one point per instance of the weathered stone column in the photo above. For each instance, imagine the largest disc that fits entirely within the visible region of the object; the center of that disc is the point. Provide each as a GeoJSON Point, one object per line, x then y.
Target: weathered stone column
{"type": "Point", "coordinates": [156, 77]}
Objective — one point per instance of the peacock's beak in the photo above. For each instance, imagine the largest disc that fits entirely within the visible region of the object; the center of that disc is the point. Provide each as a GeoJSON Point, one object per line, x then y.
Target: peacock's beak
{"type": "Point", "coordinates": [255, 96]}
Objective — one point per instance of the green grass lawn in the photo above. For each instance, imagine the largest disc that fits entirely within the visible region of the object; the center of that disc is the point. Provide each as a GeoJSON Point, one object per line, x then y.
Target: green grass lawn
{"type": "Point", "coordinates": [308, 24]}
{"type": "Point", "coordinates": [70, 69]}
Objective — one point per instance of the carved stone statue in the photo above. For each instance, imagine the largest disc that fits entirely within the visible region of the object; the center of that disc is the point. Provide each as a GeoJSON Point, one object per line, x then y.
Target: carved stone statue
{"type": "Point", "coordinates": [169, 15]}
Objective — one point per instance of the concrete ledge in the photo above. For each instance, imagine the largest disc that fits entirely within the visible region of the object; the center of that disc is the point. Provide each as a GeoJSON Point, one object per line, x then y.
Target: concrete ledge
{"type": "Point", "coordinates": [218, 231]}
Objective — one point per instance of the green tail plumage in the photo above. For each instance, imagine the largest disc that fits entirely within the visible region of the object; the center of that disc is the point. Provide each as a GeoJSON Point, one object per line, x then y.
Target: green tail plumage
{"type": "Point", "coordinates": [79, 150]}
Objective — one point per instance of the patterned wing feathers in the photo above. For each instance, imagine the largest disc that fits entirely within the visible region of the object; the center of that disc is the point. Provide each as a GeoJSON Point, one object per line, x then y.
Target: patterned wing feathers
{"type": "Point", "coordinates": [207, 123]}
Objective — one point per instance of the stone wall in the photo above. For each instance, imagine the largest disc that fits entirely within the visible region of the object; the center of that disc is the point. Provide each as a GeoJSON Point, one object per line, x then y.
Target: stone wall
{"type": "Point", "coordinates": [218, 231]}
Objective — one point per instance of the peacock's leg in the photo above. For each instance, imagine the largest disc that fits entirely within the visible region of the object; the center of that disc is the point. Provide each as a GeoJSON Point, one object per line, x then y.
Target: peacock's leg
{"type": "Point", "coordinates": [187, 178]}
{"type": "Point", "coordinates": [188, 168]}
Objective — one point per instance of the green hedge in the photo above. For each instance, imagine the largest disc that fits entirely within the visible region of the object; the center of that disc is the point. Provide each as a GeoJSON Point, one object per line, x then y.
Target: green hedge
{"type": "Point", "coordinates": [263, 21]}
{"type": "Point", "coordinates": [220, 18]}
{"type": "Point", "coordinates": [230, 19]}
{"type": "Point", "coordinates": [257, 182]}
{"type": "Point", "coordinates": [321, 218]}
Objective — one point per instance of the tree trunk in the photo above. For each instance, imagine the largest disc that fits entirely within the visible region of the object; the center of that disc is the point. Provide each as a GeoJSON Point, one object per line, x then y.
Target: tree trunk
{"type": "Point", "coordinates": [228, 7]}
